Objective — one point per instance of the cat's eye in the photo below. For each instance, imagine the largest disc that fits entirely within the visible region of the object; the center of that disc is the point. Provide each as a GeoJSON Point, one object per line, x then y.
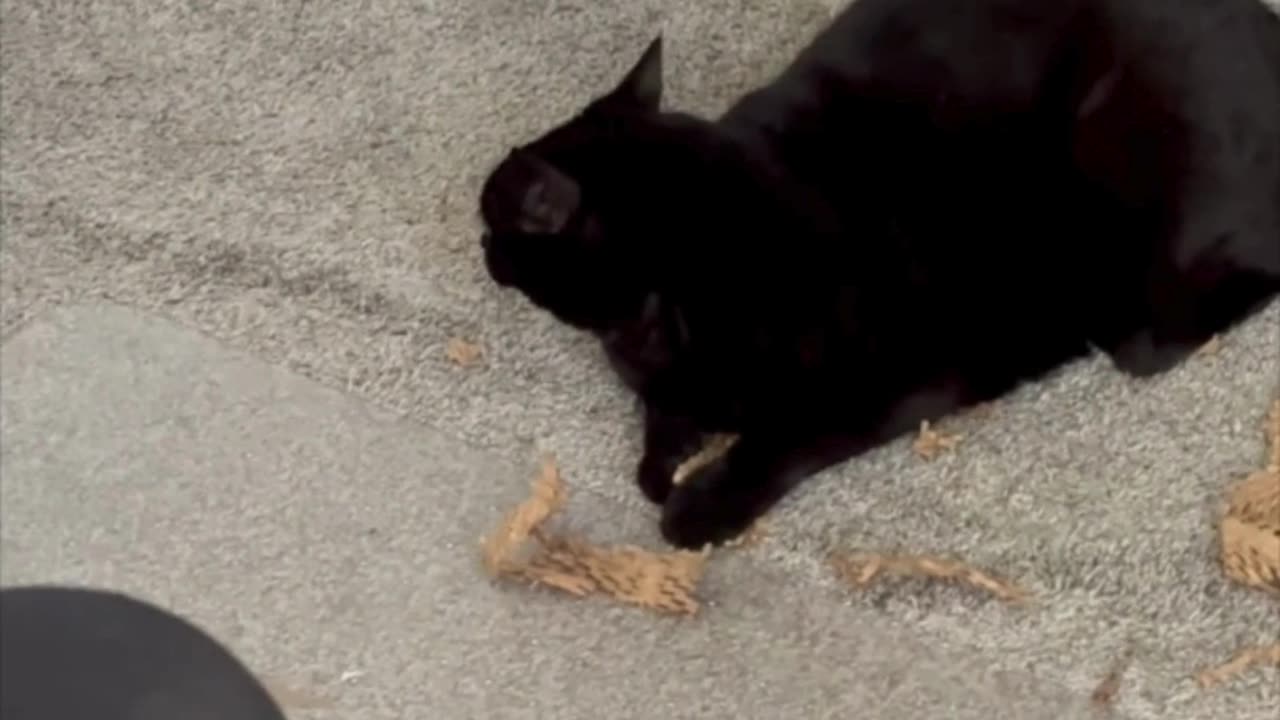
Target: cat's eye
{"type": "Point", "coordinates": [548, 204]}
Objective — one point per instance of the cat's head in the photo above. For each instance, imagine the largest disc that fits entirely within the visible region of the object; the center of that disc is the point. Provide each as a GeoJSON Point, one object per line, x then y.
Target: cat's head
{"type": "Point", "coordinates": [577, 219]}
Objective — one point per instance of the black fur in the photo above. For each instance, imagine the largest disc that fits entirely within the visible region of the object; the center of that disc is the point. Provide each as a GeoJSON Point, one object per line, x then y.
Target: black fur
{"type": "Point", "coordinates": [936, 201]}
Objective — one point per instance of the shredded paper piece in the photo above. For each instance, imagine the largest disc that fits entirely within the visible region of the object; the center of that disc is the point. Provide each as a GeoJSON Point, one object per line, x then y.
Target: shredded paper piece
{"type": "Point", "coordinates": [862, 569]}
{"type": "Point", "coordinates": [930, 443]}
{"type": "Point", "coordinates": [462, 353]}
{"type": "Point", "coordinates": [1240, 662]}
{"type": "Point", "coordinates": [1250, 527]}
{"type": "Point", "coordinates": [661, 581]}
{"type": "Point", "coordinates": [716, 446]}
{"type": "Point", "coordinates": [522, 549]}
{"type": "Point", "coordinates": [1104, 696]}
{"type": "Point", "coordinates": [1212, 347]}
{"type": "Point", "coordinates": [1250, 545]}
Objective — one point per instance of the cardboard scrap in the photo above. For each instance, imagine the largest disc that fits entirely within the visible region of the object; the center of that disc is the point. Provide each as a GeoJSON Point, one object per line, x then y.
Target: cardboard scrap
{"type": "Point", "coordinates": [1249, 534]}
{"type": "Point", "coordinates": [462, 353]}
{"type": "Point", "coordinates": [546, 499]}
{"type": "Point", "coordinates": [659, 581]}
{"type": "Point", "coordinates": [753, 536]}
{"type": "Point", "coordinates": [1211, 347]}
{"type": "Point", "coordinates": [930, 443]}
{"type": "Point", "coordinates": [665, 582]}
{"type": "Point", "coordinates": [1104, 696]}
{"type": "Point", "coordinates": [715, 446]}
{"type": "Point", "coordinates": [862, 569]}
{"type": "Point", "coordinates": [1243, 660]}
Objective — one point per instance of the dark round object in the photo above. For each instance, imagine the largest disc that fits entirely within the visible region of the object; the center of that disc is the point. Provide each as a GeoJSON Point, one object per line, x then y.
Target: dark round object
{"type": "Point", "coordinates": [82, 654]}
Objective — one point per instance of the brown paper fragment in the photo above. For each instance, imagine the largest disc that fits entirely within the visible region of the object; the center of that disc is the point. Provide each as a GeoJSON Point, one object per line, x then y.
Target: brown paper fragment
{"type": "Point", "coordinates": [1210, 348]}
{"type": "Point", "coordinates": [661, 581]}
{"type": "Point", "coordinates": [1249, 532]}
{"type": "Point", "coordinates": [546, 499]}
{"type": "Point", "coordinates": [930, 443]}
{"type": "Point", "coordinates": [715, 446]}
{"type": "Point", "coordinates": [1104, 696]}
{"type": "Point", "coordinates": [862, 569]}
{"type": "Point", "coordinates": [462, 353]}
{"type": "Point", "coordinates": [1244, 660]}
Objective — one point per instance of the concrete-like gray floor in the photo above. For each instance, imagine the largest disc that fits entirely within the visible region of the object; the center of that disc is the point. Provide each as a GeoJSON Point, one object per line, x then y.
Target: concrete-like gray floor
{"type": "Point", "coordinates": [236, 240]}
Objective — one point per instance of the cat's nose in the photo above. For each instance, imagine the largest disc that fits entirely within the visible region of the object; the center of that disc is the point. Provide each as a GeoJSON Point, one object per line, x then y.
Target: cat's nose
{"type": "Point", "coordinates": [486, 240]}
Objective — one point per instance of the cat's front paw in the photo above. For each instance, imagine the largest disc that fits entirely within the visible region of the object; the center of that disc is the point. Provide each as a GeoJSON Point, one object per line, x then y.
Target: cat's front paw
{"type": "Point", "coordinates": [703, 510]}
{"type": "Point", "coordinates": [654, 476]}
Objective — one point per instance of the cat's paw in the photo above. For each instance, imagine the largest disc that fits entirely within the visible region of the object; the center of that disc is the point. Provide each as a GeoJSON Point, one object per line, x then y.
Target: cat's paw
{"type": "Point", "coordinates": [1143, 357]}
{"type": "Point", "coordinates": [654, 476]}
{"type": "Point", "coordinates": [703, 510]}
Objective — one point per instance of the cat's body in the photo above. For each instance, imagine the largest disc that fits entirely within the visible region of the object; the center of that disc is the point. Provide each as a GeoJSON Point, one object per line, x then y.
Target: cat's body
{"type": "Point", "coordinates": [936, 201]}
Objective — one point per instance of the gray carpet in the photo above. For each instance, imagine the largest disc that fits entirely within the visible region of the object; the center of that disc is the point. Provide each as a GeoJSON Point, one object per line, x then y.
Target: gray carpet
{"type": "Point", "coordinates": [236, 240]}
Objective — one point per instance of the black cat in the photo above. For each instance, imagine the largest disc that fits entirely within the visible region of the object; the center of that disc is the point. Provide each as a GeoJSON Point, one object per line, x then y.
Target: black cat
{"type": "Point", "coordinates": [936, 201]}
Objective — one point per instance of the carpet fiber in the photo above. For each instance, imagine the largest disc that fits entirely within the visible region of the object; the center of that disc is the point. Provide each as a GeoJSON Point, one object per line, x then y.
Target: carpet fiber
{"type": "Point", "coordinates": [289, 188]}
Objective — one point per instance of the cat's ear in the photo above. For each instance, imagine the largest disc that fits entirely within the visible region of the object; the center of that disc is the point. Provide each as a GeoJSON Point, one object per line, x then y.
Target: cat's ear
{"type": "Point", "coordinates": [641, 89]}
{"type": "Point", "coordinates": [543, 197]}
